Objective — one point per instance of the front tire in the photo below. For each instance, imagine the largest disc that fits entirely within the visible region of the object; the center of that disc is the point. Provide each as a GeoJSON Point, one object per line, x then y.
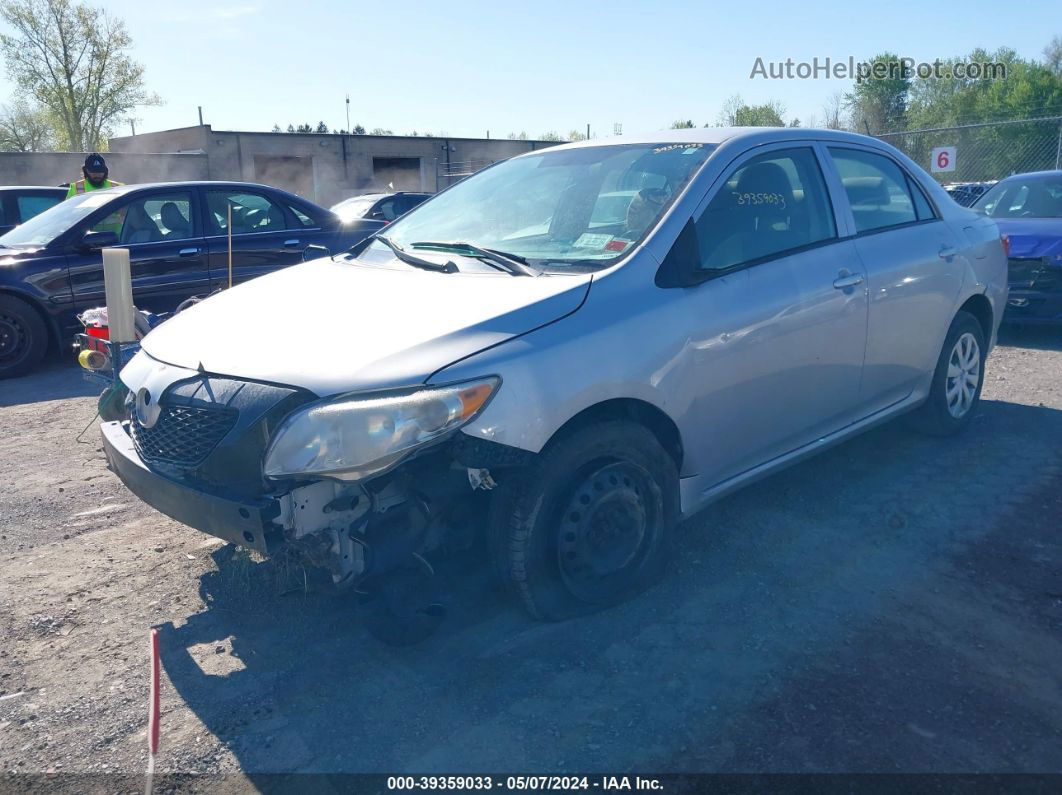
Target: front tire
{"type": "Point", "coordinates": [957, 380]}
{"type": "Point", "coordinates": [589, 523]}
{"type": "Point", "coordinates": [23, 337]}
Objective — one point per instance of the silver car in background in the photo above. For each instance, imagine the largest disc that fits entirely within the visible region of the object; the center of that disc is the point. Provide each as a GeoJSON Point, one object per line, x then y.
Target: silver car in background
{"type": "Point", "coordinates": [588, 342]}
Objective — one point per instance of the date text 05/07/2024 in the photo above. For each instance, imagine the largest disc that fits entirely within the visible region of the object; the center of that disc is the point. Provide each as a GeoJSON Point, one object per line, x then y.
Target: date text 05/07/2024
{"type": "Point", "coordinates": [519, 783]}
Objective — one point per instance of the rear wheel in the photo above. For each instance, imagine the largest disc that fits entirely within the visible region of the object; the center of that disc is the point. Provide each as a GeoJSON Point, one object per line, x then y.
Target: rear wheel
{"type": "Point", "coordinates": [588, 524]}
{"type": "Point", "coordinates": [957, 380]}
{"type": "Point", "coordinates": [23, 337]}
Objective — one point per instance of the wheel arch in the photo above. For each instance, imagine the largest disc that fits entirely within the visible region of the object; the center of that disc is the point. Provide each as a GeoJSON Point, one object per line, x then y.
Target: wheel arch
{"type": "Point", "coordinates": [644, 413]}
{"type": "Point", "coordinates": [980, 307]}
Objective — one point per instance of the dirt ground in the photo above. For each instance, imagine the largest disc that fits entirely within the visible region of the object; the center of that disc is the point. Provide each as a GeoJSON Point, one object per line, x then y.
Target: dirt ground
{"type": "Point", "coordinates": [892, 605]}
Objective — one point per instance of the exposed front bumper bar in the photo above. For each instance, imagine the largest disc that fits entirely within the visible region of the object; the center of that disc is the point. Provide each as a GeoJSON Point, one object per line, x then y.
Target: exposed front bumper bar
{"type": "Point", "coordinates": [247, 523]}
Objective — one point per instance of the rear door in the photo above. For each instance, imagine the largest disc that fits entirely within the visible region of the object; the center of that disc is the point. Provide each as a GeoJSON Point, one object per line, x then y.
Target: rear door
{"type": "Point", "coordinates": [269, 232]}
{"type": "Point", "coordinates": [167, 252]}
{"type": "Point", "coordinates": [914, 273]}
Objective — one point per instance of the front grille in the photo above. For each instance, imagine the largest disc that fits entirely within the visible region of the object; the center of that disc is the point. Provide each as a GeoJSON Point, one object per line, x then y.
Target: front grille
{"type": "Point", "coordinates": [183, 436]}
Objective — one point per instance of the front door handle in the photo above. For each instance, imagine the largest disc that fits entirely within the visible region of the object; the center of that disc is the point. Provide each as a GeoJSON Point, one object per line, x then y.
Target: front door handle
{"type": "Point", "coordinates": [947, 252]}
{"type": "Point", "coordinates": [188, 252]}
{"type": "Point", "coordinates": [291, 243]}
{"type": "Point", "coordinates": [845, 280]}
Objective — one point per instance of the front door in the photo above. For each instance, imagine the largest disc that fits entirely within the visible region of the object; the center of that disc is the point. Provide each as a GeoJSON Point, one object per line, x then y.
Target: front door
{"type": "Point", "coordinates": [778, 329]}
{"type": "Point", "coordinates": [167, 253]}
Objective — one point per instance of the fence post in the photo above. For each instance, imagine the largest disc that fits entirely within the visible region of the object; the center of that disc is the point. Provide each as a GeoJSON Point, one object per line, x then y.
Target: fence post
{"type": "Point", "coordinates": [1058, 149]}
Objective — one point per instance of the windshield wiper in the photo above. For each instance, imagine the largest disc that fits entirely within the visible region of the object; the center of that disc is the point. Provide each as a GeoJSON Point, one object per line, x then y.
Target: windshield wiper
{"type": "Point", "coordinates": [416, 262]}
{"type": "Point", "coordinates": [510, 263]}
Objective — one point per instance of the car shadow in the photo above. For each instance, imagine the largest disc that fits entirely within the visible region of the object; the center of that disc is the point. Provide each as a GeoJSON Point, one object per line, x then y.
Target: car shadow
{"type": "Point", "coordinates": [768, 584]}
{"type": "Point", "coordinates": [54, 380]}
{"type": "Point", "coordinates": [1044, 338]}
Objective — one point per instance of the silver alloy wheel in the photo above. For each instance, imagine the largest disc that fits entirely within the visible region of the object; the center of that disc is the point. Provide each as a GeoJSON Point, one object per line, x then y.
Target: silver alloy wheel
{"type": "Point", "coordinates": [964, 374]}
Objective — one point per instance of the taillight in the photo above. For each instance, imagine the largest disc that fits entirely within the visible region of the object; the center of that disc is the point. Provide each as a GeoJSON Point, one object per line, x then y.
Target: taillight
{"type": "Point", "coordinates": [98, 333]}
{"type": "Point", "coordinates": [1006, 245]}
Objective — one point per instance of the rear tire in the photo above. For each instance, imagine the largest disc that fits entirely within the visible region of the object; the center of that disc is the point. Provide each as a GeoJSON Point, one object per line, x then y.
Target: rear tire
{"type": "Point", "coordinates": [23, 337]}
{"type": "Point", "coordinates": [957, 380]}
{"type": "Point", "coordinates": [589, 523]}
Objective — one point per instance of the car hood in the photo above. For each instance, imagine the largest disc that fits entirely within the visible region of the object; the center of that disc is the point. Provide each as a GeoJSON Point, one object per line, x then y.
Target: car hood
{"type": "Point", "coordinates": [331, 326]}
{"type": "Point", "coordinates": [1032, 237]}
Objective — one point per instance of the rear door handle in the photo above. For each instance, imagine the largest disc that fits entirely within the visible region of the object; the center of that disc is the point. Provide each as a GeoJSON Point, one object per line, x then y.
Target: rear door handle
{"type": "Point", "coordinates": [291, 243]}
{"type": "Point", "coordinates": [846, 280]}
{"type": "Point", "coordinates": [947, 252]}
{"type": "Point", "coordinates": [188, 252]}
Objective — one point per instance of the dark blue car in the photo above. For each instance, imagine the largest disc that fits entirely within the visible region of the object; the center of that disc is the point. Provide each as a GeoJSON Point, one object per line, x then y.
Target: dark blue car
{"type": "Point", "coordinates": [1028, 210]}
{"type": "Point", "coordinates": [177, 235]}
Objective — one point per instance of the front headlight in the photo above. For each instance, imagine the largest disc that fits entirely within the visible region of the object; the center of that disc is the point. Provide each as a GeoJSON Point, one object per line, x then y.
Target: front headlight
{"type": "Point", "coordinates": [353, 437]}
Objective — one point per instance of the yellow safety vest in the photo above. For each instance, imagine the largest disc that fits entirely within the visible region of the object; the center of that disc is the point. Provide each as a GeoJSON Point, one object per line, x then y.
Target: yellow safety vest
{"type": "Point", "coordinates": [84, 186]}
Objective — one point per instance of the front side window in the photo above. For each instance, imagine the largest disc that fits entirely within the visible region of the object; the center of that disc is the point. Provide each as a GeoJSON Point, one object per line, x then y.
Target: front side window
{"type": "Point", "coordinates": [153, 219]}
{"type": "Point", "coordinates": [568, 207]}
{"type": "Point", "coordinates": [250, 212]}
{"type": "Point", "coordinates": [876, 187]}
{"type": "Point", "coordinates": [773, 203]}
{"type": "Point", "coordinates": [1030, 196]}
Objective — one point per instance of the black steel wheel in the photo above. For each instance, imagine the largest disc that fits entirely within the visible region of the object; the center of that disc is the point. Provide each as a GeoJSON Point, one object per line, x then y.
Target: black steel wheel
{"type": "Point", "coordinates": [23, 337]}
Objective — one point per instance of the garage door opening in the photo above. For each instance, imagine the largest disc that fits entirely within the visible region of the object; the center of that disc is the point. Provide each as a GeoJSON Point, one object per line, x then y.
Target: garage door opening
{"type": "Point", "coordinates": [396, 173]}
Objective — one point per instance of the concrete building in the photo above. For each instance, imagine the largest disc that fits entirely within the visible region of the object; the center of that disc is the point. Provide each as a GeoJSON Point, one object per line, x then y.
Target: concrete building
{"type": "Point", "coordinates": [324, 168]}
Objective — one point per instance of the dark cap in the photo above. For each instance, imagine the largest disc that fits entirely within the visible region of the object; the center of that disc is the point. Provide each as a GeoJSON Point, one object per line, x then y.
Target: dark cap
{"type": "Point", "coordinates": [95, 162]}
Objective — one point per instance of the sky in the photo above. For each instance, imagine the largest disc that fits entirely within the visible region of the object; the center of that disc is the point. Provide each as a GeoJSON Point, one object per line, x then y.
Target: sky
{"type": "Point", "coordinates": [466, 68]}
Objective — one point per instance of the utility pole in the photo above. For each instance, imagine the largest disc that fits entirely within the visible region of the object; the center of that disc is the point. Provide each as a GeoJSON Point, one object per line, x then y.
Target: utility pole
{"type": "Point", "coordinates": [200, 115]}
{"type": "Point", "coordinates": [588, 131]}
{"type": "Point", "coordinates": [132, 127]}
{"type": "Point", "coordinates": [348, 113]}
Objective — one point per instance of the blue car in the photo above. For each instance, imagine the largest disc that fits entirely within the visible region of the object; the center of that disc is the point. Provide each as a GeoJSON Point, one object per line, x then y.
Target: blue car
{"type": "Point", "coordinates": [1028, 210]}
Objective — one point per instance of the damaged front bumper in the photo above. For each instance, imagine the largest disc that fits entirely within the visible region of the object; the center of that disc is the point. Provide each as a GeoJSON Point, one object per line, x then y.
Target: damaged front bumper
{"type": "Point", "coordinates": [250, 523]}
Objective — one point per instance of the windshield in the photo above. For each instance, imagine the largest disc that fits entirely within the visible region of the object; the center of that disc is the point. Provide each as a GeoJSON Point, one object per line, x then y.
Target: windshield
{"type": "Point", "coordinates": [355, 207]}
{"type": "Point", "coordinates": [1032, 196]}
{"type": "Point", "coordinates": [44, 228]}
{"type": "Point", "coordinates": [582, 206]}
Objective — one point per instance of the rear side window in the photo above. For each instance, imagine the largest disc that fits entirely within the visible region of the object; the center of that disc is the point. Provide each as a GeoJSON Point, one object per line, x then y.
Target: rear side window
{"type": "Point", "coordinates": [773, 203]}
{"type": "Point", "coordinates": [305, 220]}
{"type": "Point", "coordinates": [877, 189]}
{"type": "Point", "coordinates": [251, 212]}
{"type": "Point", "coordinates": [29, 206]}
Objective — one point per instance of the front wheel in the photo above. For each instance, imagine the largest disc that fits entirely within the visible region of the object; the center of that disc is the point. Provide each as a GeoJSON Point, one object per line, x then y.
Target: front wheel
{"type": "Point", "coordinates": [588, 524]}
{"type": "Point", "coordinates": [23, 337]}
{"type": "Point", "coordinates": [957, 380]}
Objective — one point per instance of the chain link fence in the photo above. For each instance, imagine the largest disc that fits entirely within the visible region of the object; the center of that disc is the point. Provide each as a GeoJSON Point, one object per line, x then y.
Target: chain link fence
{"type": "Point", "coordinates": [984, 152]}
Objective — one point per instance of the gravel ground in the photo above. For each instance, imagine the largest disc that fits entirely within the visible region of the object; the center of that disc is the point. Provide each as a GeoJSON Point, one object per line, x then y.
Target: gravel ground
{"type": "Point", "coordinates": [891, 605]}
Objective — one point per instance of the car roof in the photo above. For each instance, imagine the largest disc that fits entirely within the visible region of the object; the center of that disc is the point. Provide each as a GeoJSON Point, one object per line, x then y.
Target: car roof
{"type": "Point", "coordinates": [1047, 173]}
{"type": "Point", "coordinates": [14, 188]}
{"type": "Point", "coordinates": [718, 135]}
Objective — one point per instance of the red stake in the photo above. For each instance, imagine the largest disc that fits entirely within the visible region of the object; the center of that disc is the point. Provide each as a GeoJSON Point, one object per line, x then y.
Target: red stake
{"type": "Point", "coordinates": [153, 709]}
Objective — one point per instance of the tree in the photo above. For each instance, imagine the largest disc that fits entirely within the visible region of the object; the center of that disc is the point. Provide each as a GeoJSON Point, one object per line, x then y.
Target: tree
{"type": "Point", "coordinates": [381, 131]}
{"type": "Point", "coordinates": [736, 113]}
{"type": "Point", "coordinates": [276, 128]}
{"type": "Point", "coordinates": [25, 128]}
{"type": "Point", "coordinates": [520, 136]}
{"type": "Point", "coordinates": [550, 136]}
{"type": "Point", "coordinates": [74, 60]}
{"type": "Point", "coordinates": [358, 130]}
{"type": "Point", "coordinates": [321, 128]}
{"type": "Point", "coordinates": [682, 125]}
{"type": "Point", "coordinates": [1053, 55]}
{"type": "Point", "coordinates": [879, 103]}
{"type": "Point", "coordinates": [576, 135]}
{"type": "Point", "coordinates": [831, 112]}
{"type": "Point", "coordinates": [291, 128]}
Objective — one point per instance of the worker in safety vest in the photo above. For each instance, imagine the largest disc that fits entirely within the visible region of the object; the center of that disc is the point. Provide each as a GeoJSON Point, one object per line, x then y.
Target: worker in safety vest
{"type": "Point", "coordinates": [95, 171]}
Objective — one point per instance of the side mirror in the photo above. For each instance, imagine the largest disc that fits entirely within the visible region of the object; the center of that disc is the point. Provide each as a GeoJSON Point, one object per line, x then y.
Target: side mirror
{"type": "Point", "coordinates": [94, 241]}
{"type": "Point", "coordinates": [315, 251]}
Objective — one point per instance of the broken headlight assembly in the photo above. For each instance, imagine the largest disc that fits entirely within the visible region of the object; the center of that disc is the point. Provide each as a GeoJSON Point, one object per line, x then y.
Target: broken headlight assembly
{"type": "Point", "coordinates": [353, 437]}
